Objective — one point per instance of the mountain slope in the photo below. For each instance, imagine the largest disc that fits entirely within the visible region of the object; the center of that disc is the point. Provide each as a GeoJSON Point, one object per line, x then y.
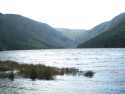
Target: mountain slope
{"type": "Point", "coordinates": [73, 34]}
{"type": "Point", "coordinates": [113, 37]}
{"type": "Point", "coordinates": [18, 32]}
{"type": "Point", "coordinates": [97, 30]}
{"type": "Point", "coordinates": [81, 35]}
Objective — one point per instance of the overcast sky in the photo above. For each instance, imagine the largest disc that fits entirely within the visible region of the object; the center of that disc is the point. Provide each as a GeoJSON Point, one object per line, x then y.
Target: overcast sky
{"type": "Point", "coordinates": [75, 14]}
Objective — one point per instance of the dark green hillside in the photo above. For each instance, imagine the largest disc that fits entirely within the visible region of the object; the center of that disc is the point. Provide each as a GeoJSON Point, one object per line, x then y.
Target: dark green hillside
{"type": "Point", "coordinates": [18, 32]}
{"type": "Point", "coordinates": [114, 37]}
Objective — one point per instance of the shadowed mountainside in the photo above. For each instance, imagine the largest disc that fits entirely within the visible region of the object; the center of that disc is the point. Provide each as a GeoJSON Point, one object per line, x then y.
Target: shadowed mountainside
{"type": "Point", "coordinates": [112, 37]}
{"type": "Point", "coordinates": [18, 32]}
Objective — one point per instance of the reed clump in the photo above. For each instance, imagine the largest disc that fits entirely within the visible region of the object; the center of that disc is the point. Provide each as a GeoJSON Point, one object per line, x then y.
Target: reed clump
{"type": "Point", "coordinates": [33, 71]}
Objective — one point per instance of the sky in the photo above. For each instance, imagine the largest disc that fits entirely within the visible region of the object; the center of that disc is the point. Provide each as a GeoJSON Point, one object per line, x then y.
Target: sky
{"type": "Point", "coordinates": [73, 14]}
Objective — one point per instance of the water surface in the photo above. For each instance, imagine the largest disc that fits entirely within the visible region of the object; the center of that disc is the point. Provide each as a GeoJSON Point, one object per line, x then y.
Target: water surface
{"type": "Point", "coordinates": [109, 65]}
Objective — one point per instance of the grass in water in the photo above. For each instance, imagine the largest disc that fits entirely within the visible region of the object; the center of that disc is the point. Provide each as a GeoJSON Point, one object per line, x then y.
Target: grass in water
{"type": "Point", "coordinates": [37, 71]}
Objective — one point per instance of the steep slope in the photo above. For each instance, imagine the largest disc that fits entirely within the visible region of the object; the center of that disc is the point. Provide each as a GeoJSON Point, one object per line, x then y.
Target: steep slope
{"type": "Point", "coordinates": [97, 30]}
{"type": "Point", "coordinates": [18, 32]}
{"type": "Point", "coordinates": [113, 37]}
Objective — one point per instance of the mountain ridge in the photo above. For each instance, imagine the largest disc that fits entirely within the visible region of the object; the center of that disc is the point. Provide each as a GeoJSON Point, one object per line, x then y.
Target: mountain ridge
{"type": "Point", "coordinates": [19, 32]}
{"type": "Point", "coordinates": [113, 37]}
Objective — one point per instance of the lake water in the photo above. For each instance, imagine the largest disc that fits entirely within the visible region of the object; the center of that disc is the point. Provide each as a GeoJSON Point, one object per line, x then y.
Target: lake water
{"type": "Point", "coordinates": [108, 65]}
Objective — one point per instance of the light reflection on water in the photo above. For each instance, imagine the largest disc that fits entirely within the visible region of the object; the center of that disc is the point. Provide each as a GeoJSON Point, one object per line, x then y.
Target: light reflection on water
{"type": "Point", "coordinates": [109, 65]}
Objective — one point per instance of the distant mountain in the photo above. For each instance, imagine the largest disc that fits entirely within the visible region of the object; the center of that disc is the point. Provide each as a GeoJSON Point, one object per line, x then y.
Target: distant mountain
{"type": "Point", "coordinates": [112, 37]}
{"type": "Point", "coordinates": [18, 32]}
{"type": "Point", "coordinates": [73, 34]}
{"type": "Point", "coordinates": [81, 35]}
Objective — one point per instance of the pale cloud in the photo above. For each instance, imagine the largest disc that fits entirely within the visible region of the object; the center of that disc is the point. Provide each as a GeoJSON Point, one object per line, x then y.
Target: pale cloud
{"type": "Point", "coordinates": [65, 13]}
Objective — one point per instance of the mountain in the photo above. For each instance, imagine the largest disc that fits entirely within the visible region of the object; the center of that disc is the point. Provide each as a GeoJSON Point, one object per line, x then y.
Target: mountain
{"type": "Point", "coordinates": [73, 34]}
{"type": "Point", "coordinates": [81, 36]}
{"type": "Point", "coordinates": [112, 37]}
{"type": "Point", "coordinates": [19, 32]}
{"type": "Point", "coordinates": [97, 30]}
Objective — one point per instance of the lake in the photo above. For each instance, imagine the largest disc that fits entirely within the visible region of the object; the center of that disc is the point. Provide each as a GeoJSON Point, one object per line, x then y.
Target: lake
{"type": "Point", "coordinates": [108, 65]}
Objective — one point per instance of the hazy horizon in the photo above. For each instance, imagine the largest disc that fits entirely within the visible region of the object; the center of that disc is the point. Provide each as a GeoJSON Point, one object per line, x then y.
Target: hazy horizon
{"type": "Point", "coordinates": [73, 14]}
